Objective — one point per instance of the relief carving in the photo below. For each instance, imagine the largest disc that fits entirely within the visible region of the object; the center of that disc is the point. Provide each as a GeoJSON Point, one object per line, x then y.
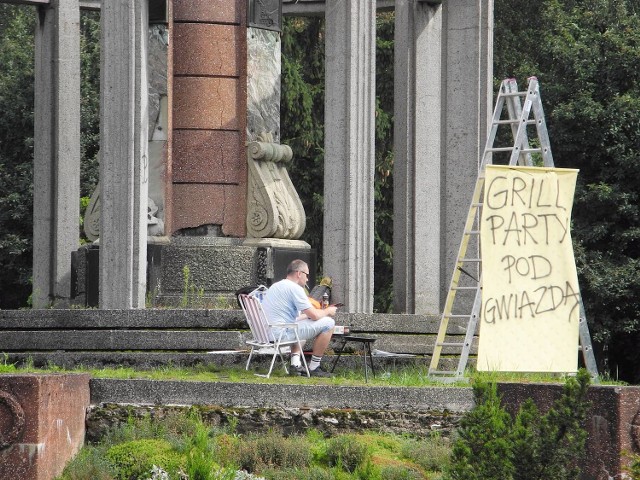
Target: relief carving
{"type": "Point", "coordinates": [155, 224]}
{"type": "Point", "coordinates": [274, 209]}
{"type": "Point", "coordinates": [13, 429]}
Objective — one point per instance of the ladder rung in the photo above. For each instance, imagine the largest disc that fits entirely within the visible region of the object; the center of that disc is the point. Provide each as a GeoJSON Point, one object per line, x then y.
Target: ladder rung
{"type": "Point", "coordinates": [457, 316]}
{"type": "Point", "coordinates": [450, 344]}
{"type": "Point", "coordinates": [514, 120]}
{"type": "Point", "coordinates": [443, 372]}
{"type": "Point", "coordinates": [479, 204]}
{"type": "Point", "coordinates": [513, 94]}
{"type": "Point", "coordinates": [464, 288]}
{"type": "Point", "coordinates": [510, 149]}
{"type": "Point", "coordinates": [472, 232]}
{"type": "Point", "coordinates": [476, 260]}
{"type": "Point", "coordinates": [500, 149]}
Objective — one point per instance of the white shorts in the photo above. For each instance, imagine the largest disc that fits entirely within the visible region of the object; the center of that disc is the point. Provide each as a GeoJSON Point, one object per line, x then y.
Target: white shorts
{"type": "Point", "coordinates": [308, 329]}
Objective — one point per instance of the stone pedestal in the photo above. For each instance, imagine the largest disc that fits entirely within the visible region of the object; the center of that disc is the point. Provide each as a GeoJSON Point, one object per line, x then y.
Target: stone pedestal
{"type": "Point", "coordinates": [205, 272]}
{"type": "Point", "coordinates": [42, 423]}
{"type": "Point", "coordinates": [198, 271]}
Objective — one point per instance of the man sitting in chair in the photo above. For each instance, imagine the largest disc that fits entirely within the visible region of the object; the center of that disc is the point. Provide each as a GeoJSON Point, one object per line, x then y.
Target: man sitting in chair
{"type": "Point", "coordinates": [287, 302]}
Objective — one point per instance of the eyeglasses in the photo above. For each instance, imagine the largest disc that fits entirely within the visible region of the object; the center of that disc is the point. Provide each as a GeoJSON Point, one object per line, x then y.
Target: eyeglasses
{"type": "Point", "coordinates": [302, 271]}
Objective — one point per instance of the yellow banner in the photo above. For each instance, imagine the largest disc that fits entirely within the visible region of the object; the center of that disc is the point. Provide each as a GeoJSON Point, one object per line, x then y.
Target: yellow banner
{"type": "Point", "coordinates": [530, 295]}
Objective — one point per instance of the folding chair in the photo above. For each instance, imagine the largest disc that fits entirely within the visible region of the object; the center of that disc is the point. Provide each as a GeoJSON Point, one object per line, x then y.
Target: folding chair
{"type": "Point", "coordinates": [263, 331]}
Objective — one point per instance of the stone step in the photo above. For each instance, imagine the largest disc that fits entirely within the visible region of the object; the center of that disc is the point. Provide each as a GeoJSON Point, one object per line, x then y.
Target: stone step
{"type": "Point", "coordinates": [155, 337]}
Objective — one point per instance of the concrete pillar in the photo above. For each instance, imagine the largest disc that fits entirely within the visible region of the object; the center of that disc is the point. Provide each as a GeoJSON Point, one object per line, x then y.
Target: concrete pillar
{"type": "Point", "coordinates": [124, 161]}
{"type": "Point", "coordinates": [418, 169]}
{"type": "Point", "coordinates": [443, 99]}
{"type": "Point", "coordinates": [56, 178]}
{"type": "Point", "coordinates": [349, 151]}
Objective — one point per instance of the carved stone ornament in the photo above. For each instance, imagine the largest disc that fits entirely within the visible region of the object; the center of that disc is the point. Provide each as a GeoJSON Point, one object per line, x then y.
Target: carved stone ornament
{"type": "Point", "coordinates": [155, 225]}
{"type": "Point", "coordinates": [635, 431]}
{"type": "Point", "coordinates": [274, 209]}
{"type": "Point", "coordinates": [11, 434]}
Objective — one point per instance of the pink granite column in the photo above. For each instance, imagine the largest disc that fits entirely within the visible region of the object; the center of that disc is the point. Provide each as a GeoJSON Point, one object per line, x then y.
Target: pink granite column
{"type": "Point", "coordinates": [208, 173]}
{"type": "Point", "coordinates": [42, 424]}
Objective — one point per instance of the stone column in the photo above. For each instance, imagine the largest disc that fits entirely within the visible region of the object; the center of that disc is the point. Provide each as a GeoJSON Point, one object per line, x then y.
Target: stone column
{"type": "Point", "coordinates": [124, 159]}
{"type": "Point", "coordinates": [443, 99]}
{"type": "Point", "coordinates": [56, 177]}
{"type": "Point", "coordinates": [468, 93]}
{"type": "Point", "coordinates": [417, 157]}
{"type": "Point", "coordinates": [349, 151]}
{"type": "Point", "coordinates": [209, 95]}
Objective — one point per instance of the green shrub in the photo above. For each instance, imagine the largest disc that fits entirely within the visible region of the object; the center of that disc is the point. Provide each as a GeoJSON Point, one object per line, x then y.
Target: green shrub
{"type": "Point", "coordinates": [89, 463]}
{"type": "Point", "coordinates": [398, 472]}
{"type": "Point", "coordinates": [310, 473]}
{"type": "Point", "coordinates": [431, 454]}
{"type": "Point", "coordinates": [273, 450]}
{"type": "Point", "coordinates": [347, 452]}
{"type": "Point", "coordinates": [482, 450]}
{"type": "Point", "coordinates": [551, 445]}
{"type": "Point", "coordinates": [136, 458]}
{"type": "Point", "coordinates": [633, 469]}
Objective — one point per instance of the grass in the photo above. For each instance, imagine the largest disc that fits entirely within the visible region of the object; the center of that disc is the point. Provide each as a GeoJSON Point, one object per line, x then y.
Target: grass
{"type": "Point", "coordinates": [408, 376]}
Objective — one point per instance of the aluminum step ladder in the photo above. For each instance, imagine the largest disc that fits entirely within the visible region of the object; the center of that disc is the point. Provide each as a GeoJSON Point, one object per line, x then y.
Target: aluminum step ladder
{"type": "Point", "coordinates": [464, 298]}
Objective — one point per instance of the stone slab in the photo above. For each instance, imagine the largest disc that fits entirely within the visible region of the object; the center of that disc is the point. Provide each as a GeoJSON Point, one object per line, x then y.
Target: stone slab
{"type": "Point", "coordinates": [198, 204]}
{"type": "Point", "coordinates": [42, 423]}
{"type": "Point", "coordinates": [150, 392]}
{"type": "Point", "coordinates": [210, 268]}
{"type": "Point", "coordinates": [112, 319]}
{"type": "Point", "coordinates": [188, 340]}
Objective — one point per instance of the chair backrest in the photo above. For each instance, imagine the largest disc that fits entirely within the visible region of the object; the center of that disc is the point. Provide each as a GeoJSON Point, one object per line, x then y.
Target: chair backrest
{"type": "Point", "coordinates": [256, 318]}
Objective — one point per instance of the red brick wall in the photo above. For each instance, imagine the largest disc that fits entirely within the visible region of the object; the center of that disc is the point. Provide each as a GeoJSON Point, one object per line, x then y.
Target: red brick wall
{"type": "Point", "coordinates": [209, 101]}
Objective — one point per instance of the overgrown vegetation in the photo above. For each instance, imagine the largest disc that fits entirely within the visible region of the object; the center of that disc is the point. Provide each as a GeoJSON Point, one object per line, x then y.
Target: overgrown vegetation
{"type": "Point", "coordinates": [184, 447]}
{"type": "Point", "coordinates": [490, 444]}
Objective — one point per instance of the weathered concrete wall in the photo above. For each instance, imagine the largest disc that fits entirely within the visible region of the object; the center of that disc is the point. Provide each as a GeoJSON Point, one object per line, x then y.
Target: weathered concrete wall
{"type": "Point", "coordinates": [292, 408]}
{"type": "Point", "coordinates": [329, 421]}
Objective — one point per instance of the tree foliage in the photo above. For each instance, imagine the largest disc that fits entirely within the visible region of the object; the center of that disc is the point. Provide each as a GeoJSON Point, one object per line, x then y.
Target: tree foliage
{"type": "Point", "coordinates": [586, 55]}
{"type": "Point", "coordinates": [16, 152]}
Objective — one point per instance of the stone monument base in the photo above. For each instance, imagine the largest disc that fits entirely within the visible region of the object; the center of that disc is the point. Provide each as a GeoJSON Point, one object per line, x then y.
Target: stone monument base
{"type": "Point", "coordinates": [42, 423]}
{"type": "Point", "coordinates": [198, 271]}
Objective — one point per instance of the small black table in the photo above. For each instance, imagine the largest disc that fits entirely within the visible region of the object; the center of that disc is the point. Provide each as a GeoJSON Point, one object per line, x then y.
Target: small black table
{"type": "Point", "coordinates": [366, 347]}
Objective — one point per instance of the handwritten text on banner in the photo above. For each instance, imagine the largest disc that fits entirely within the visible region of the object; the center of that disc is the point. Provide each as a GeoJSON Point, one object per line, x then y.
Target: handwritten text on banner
{"type": "Point", "coordinates": [530, 295]}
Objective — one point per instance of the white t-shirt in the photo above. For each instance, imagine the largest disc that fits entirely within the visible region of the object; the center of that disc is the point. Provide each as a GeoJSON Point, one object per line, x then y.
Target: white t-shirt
{"type": "Point", "coordinates": [284, 301]}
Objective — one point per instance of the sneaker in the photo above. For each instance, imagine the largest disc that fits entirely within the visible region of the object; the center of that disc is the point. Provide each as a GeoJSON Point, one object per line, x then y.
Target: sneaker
{"type": "Point", "coordinates": [296, 371]}
{"type": "Point", "coordinates": [319, 372]}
